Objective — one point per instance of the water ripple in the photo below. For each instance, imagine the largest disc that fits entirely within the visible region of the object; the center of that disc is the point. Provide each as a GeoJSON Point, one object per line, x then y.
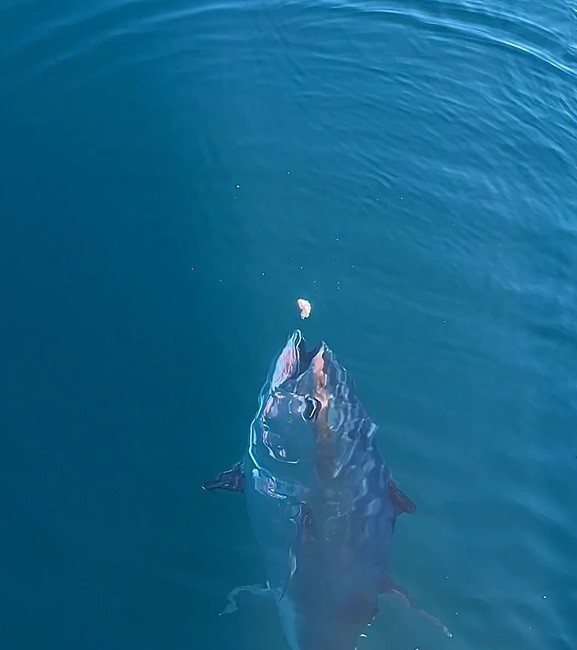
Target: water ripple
{"type": "Point", "coordinates": [470, 22]}
{"type": "Point", "coordinates": [77, 35]}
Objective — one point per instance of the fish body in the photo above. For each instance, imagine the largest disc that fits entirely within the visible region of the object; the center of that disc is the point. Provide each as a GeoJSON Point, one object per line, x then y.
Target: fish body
{"type": "Point", "coordinates": [320, 497]}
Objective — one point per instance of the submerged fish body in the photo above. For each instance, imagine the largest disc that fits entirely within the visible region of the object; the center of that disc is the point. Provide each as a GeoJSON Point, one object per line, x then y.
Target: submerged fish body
{"type": "Point", "coordinates": [320, 497]}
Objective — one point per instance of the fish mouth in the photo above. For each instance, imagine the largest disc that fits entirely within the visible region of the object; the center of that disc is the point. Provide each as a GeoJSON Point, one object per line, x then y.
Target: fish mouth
{"type": "Point", "coordinates": [304, 355]}
{"type": "Point", "coordinates": [294, 360]}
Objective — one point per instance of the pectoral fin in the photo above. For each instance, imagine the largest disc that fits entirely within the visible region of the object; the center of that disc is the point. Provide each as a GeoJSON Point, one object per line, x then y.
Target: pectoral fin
{"type": "Point", "coordinates": [401, 502]}
{"type": "Point", "coordinates": [389, 586]}
{"type": "Point", "coordinates": [232, 480]}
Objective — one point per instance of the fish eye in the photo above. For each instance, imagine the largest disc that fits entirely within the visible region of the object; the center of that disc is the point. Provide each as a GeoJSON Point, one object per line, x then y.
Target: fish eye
{"type": "Point", "coordinates": [311, 408]}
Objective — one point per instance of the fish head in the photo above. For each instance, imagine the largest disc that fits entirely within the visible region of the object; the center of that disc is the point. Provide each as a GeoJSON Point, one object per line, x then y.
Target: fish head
{"type": "Point", "coordinates": [287, 407]}
{"type": "Point", "coordinates": [309, 410]}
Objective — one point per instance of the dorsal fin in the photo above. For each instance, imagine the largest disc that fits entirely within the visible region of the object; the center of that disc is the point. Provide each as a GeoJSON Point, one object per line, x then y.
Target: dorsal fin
{"type": "Point", "coordinates": [401, 502]}
{"type": "Point", "coordinates": [302, 521]}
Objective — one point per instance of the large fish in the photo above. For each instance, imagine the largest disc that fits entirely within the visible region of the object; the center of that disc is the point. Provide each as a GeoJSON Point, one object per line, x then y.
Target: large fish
{"type": "Point", "coordinates": [320, 497]}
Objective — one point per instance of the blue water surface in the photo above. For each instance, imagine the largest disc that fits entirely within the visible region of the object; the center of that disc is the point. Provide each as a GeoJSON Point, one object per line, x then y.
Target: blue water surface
{"type": "Point", "coordinates": [174, 175]}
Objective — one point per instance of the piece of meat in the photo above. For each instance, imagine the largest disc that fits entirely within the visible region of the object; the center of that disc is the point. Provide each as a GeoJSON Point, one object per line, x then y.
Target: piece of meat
{"type": "Point", "coordinates": [305, 307]}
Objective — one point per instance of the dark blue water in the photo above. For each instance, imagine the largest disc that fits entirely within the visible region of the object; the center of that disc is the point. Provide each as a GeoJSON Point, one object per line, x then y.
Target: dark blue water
{"type": "Point", "coordinates": [173, 176]}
